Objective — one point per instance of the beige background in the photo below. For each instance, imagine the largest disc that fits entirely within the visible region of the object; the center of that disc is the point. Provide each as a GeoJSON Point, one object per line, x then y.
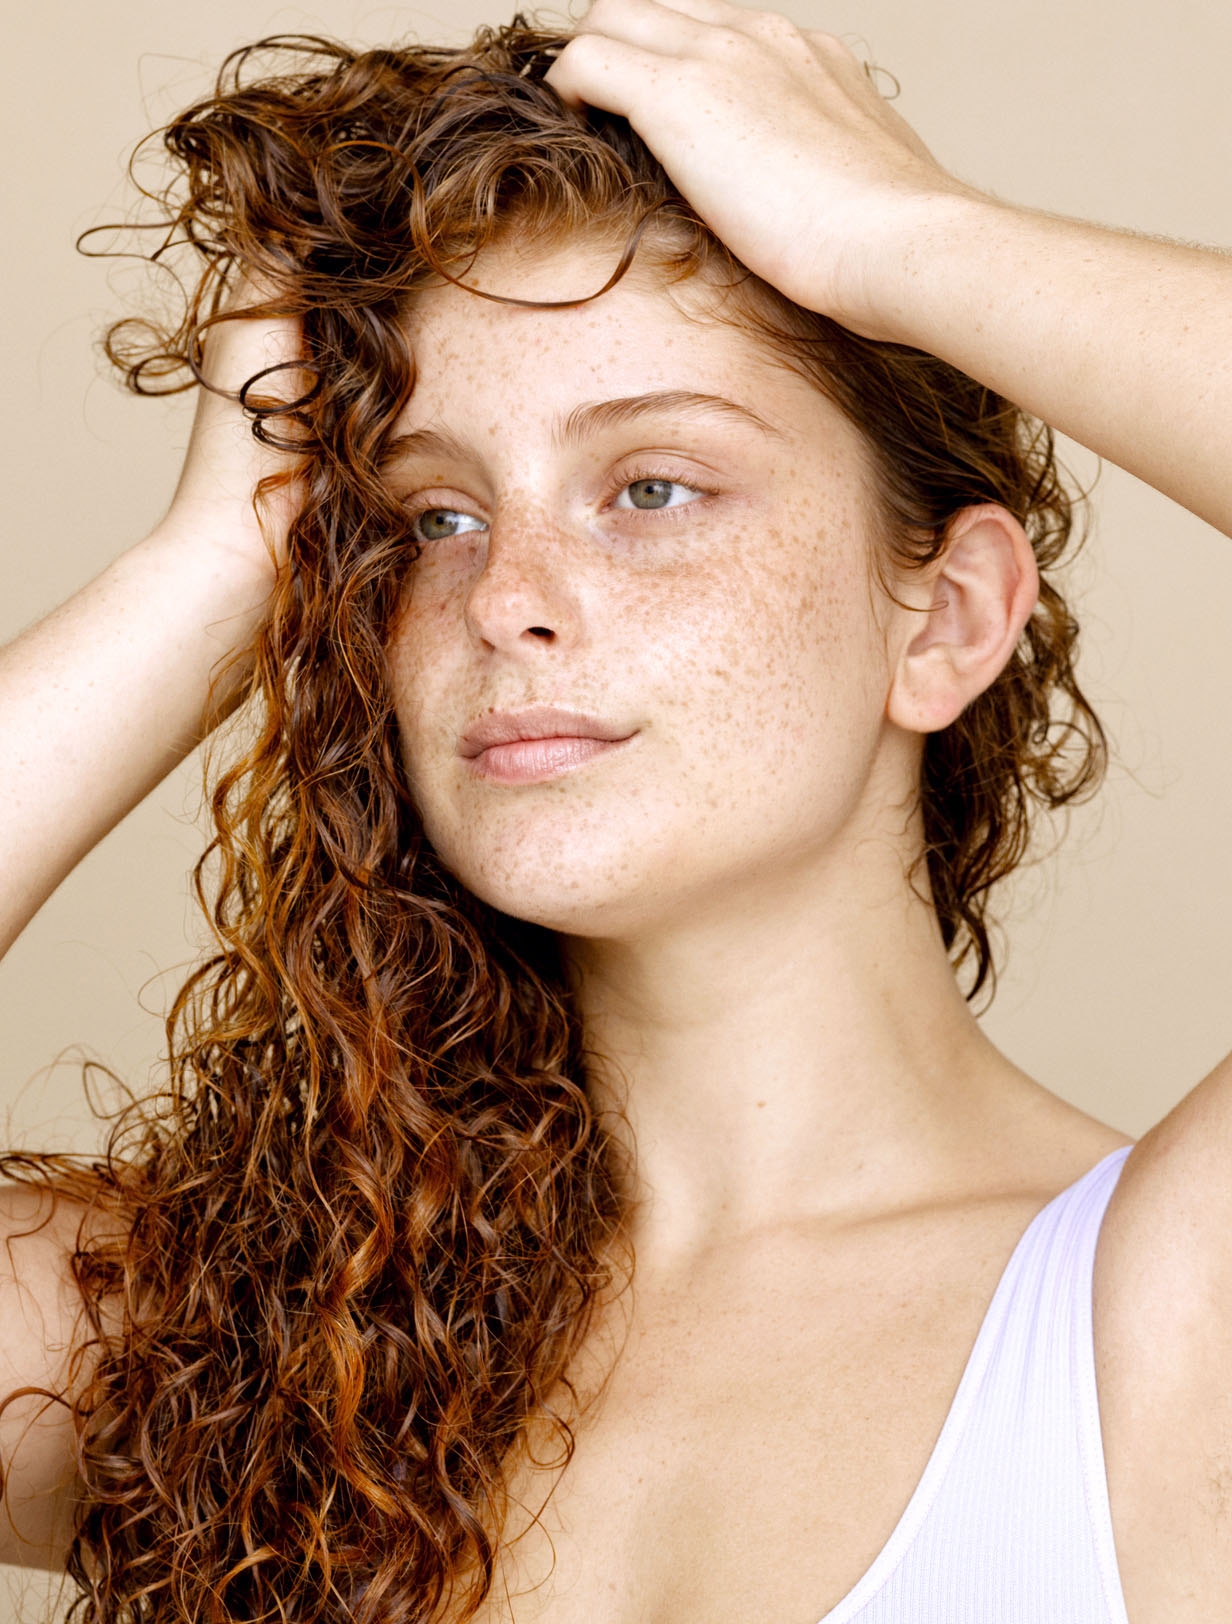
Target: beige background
{"type": "Point", "coordinates": [1115, 992]}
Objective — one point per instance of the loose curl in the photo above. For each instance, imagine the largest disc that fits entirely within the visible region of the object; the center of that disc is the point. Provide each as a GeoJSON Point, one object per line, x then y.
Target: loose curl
{"type": "Point", "coordinates": [367, 1221]}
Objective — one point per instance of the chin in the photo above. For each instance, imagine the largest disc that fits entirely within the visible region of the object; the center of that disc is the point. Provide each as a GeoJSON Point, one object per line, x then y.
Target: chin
{"type": "Point", "coordinates": [568, 903]}
{"type": "Point", "coordinates": [574, 890]}
{"type": "Point", "coordinates": [583, 870]}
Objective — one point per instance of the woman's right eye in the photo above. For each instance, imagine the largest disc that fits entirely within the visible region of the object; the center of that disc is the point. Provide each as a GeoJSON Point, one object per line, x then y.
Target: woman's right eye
{"type": "Point", "coordinates": [433, 524]}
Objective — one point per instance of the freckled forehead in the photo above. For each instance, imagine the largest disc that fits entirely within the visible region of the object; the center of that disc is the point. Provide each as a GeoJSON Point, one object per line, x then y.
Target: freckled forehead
{"type": "Point", "coordinates": [638, 318]}
{"type": "Point", "coordinates": [639, 337]}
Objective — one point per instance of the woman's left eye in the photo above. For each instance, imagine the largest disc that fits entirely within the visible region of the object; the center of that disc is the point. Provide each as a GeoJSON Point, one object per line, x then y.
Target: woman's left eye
{"type": "Point", "coordinates": [647, 495]}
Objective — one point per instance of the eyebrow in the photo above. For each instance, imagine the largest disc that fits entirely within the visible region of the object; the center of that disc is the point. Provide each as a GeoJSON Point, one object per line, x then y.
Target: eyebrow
{"type": "Point", "coordinates": [592, 418]}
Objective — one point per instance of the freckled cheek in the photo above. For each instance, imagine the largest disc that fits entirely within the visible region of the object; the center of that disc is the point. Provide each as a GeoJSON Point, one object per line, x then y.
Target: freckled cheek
{"type": "Point", "coordinates": [429, 631]}
{"type": "Point", "coordinates": [773, 652]}
{"type": "Point", "coordinates": [418, 655]}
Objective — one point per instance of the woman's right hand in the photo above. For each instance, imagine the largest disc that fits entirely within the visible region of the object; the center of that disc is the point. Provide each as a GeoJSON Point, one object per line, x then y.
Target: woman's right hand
{"type": "Point", "coordinates": [213, 500]}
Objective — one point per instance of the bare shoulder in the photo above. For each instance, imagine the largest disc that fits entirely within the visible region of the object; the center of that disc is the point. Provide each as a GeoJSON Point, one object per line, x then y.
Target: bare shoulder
{"type": "Point", "coordinates": [41, 1323]}
{"type": "Point", "coordinates": [1163, 1345]}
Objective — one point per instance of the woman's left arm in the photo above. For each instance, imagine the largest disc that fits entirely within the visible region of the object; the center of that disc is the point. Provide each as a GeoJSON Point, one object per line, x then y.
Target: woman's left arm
{"type": "Point", "coordinates": [779, 139]}
{"type": "Point", "coordinates": [1123, 342]}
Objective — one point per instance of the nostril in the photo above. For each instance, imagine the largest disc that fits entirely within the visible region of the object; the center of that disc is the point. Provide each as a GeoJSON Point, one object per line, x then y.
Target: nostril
{"type": "Point", "coordinates": [541, 631]}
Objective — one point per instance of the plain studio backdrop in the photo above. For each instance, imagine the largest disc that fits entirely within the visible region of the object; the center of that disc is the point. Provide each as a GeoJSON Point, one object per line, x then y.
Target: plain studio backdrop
{"type": "Point", "coordinates": [1118, 946]}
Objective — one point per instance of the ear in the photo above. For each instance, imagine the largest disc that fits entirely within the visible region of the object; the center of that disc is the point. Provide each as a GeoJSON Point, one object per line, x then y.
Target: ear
{"type": "Point", "coordinates": [976, 598]}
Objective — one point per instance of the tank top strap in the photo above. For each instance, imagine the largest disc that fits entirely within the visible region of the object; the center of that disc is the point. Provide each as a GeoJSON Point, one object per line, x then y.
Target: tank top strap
{"type": "Point", "coordinates": [1010, 1522]}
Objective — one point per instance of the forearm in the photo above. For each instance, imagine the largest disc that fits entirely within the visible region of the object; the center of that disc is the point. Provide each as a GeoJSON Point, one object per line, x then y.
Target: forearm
{"type": "Point", "coordinates": [1122, 342]}
{"type": "Point", "coordinates": [104, 696]}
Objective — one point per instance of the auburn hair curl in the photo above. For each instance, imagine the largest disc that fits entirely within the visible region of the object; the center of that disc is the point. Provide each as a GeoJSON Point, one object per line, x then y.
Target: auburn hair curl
{"type": "Point", "coordinates": [369, 1215]}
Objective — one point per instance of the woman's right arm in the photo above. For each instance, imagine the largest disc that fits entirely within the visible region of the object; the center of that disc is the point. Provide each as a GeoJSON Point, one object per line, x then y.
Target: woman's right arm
{"type": "Point", "coordinates": [99, 700]}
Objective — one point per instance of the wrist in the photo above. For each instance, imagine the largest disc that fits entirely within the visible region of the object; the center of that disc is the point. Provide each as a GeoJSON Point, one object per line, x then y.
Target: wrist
{"type": "Point", "coordinates": [927, 258]}
{"type": "Point", "coordinates": [237, 558]}
{"type": "Point", "coordinates": [228, 584]}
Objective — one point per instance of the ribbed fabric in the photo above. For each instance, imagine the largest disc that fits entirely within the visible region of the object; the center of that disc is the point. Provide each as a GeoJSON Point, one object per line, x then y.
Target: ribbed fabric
{"type": "Point", "coordinates": [1010, 1522]}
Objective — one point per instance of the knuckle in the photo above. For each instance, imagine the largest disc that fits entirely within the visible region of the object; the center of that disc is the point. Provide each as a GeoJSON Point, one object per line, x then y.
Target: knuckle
{"type": "Point", "coordinates": [574, 56]}
{"type": "Point", "coordinates": [727, 42]}
{"type": "Point", "coordinates": [772, 25]}
{"type": "Point", "coordinates": [830, 44]}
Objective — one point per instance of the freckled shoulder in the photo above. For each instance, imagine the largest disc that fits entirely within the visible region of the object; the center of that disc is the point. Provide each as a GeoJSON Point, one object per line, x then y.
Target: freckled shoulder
{"type": "Point", "coordinates": [1163, 1351]}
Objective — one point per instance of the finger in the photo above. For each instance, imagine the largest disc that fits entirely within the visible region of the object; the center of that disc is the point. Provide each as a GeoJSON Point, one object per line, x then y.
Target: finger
{"type": "Point", "coordinates": [702, 11]}
{"type": "Point", "coordinates": [606, 73]}
{"type": "Point", "coordinates": [763, 25]}
{"type": "Point", "coordinates": [668, 30]}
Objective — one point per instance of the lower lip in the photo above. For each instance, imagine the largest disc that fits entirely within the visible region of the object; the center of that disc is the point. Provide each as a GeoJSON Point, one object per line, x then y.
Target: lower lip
{"type": "Point", "coordinates": [530, 761]}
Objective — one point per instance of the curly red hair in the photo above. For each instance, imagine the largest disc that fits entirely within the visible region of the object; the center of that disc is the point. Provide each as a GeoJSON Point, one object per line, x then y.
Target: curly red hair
{"type": "Point", "coordinates": [367, 1220]}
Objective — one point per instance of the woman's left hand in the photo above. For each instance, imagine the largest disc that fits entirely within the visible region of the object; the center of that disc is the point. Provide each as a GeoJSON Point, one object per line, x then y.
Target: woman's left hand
{"type": "Point", "coordinates": [780, 141]}
{"type": "Point", "coordinates": [776, 135]}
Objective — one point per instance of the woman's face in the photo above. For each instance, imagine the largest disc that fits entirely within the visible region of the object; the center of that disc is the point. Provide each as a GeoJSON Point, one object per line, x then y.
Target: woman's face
{"type": "Point", "coordinates": [643, 517]}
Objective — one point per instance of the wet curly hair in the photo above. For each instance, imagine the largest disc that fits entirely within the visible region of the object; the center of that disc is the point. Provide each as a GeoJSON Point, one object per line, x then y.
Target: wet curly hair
{"type": "Point", "coordinates": [369, 1215]}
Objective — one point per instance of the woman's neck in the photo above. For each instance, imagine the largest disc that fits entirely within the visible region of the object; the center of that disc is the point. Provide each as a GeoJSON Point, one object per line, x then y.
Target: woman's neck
{"type": "Point", "coordinates": [797, 1047]}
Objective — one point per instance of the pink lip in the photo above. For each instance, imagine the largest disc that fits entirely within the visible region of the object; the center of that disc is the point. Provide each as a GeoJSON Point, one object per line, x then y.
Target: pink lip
{"type": "Point", "coordinates": [530, 761]}
{"type": "Point", "coordinates": [539, 722]}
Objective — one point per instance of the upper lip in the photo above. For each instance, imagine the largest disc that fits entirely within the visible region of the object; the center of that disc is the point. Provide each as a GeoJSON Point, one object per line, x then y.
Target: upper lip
{"type": "Point", "coordinates": [539, 722]}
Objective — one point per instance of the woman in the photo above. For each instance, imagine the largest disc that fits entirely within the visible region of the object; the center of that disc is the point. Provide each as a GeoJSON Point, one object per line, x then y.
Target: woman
{"type": "Point", "coordinates": [582, 1191]}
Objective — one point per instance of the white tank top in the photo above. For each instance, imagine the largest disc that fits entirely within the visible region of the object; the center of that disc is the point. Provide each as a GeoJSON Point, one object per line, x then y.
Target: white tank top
{"type": "Point", "coordinates": [1010, 1522]}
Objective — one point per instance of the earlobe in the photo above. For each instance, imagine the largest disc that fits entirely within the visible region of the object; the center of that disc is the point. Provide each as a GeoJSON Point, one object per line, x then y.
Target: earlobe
{"type": "Point", "coordinates": [981, 592]}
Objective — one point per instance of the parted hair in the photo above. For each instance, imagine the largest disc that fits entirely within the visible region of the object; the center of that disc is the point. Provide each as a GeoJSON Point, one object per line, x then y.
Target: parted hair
{"type": "Point", "coordinates": [367, 1218]}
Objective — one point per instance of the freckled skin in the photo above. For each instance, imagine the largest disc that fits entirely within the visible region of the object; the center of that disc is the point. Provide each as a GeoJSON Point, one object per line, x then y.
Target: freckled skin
{"type": "Point", "coordinates": [736, 631]}
{"type": "Point", "coordinates": [732, 894]}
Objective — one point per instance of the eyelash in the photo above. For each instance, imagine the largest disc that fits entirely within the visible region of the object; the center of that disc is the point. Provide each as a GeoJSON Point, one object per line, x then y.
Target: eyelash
{"type": "Point", "coordinates": [637, 477]}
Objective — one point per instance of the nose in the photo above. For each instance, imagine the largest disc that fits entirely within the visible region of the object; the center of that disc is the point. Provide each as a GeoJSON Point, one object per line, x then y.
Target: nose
{"type": "Point", "coordinates": [524, 591]}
